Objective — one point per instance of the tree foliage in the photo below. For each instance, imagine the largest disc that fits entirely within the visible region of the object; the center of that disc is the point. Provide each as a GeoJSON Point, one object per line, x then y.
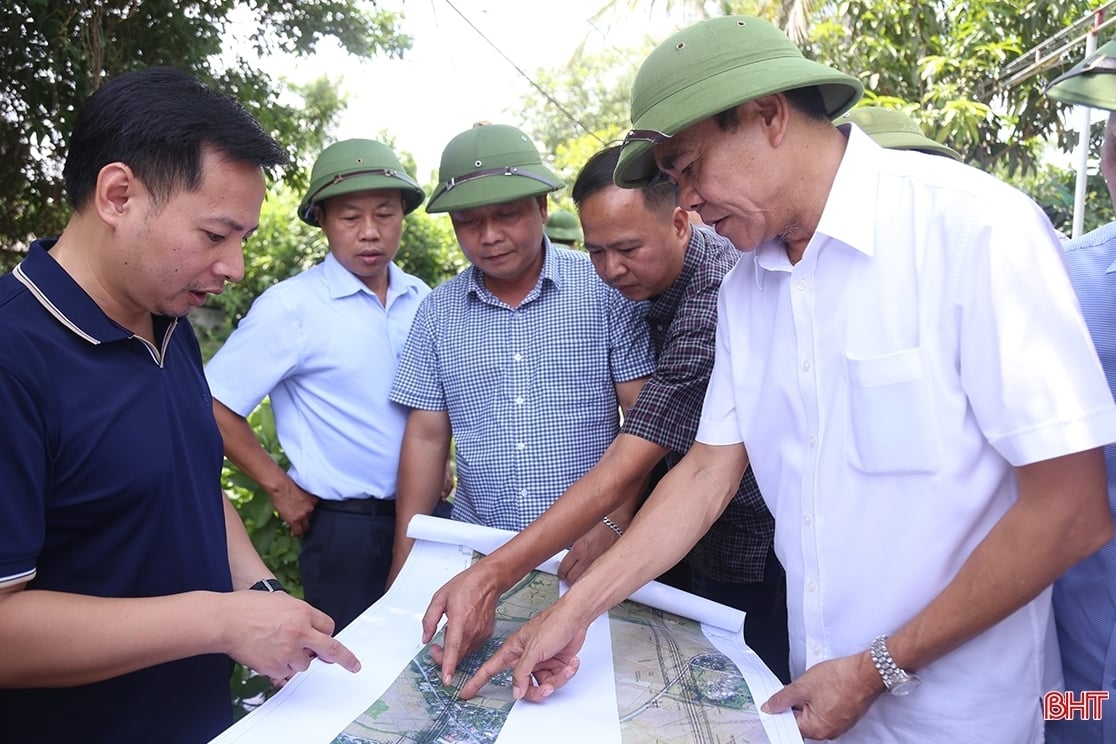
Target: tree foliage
{"type": "Point", "coordinates": [945, 60]}
{"type": "Point", "coordinates": [942, 62]}
{"type": "Point", "coordinates": [55, 53]}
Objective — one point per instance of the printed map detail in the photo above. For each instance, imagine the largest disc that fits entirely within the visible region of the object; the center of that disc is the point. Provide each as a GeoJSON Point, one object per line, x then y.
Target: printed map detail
{"type": "Point", "coordinates": [418, 709]}
{"type": "Point", "coordinates": [679, 687]}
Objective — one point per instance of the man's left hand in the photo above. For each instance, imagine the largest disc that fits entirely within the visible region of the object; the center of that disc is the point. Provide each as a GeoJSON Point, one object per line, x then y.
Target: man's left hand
{"type": "Point", "coordinates": [830, 697]}
{"type": "Point", "coordinates": [588, 548]}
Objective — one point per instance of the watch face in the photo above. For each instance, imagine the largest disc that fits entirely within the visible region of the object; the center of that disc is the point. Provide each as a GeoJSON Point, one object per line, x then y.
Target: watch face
{"type": "Point", "coordinates": [905, 687]}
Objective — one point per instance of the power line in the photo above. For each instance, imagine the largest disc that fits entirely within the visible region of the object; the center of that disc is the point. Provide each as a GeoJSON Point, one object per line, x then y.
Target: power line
{"type": "Point", "coordinates": [527, 77]}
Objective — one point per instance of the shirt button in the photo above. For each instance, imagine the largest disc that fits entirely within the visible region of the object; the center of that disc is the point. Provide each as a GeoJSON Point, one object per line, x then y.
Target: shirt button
{"type": "Point", "coordinates": [801, 284]}
{"type": "Point", "coordinates": [518, 357]}
{"type": "Point", "coordinates": [816, 648]}
{"type": "Point", "coordinates": [519, 401]}
{"type": "Point", "coordinates": [523, 492]}
{"type": "Point", "coordinates": [806, 364]}
{"type": "Point", "coordinates": [808, 519]}
{"type": "Point", "coordinates": [520, 446]}
{"type": "Point", "coordinates": [813, 442]}
{"type": "Point", "coordinates": [811, 587]}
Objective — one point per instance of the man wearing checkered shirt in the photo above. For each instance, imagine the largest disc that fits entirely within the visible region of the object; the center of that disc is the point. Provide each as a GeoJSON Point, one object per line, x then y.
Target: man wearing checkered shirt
{"type": "Point", "coordinates": [524, 358]}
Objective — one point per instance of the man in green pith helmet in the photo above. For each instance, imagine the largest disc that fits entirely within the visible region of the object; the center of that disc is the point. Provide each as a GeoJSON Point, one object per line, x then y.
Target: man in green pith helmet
{"type": "Point", "coordinates": [324, 346]}
{"type": "Point", "coordinates": [1085, 596]}
{"type": "Point", "coordinates": [893, 129]}
{"type": "Point", "coordinates": [563, 229]}
{"type": "Point", "coordinates": [902, 361]}
{"type": "Point", "coordinates": [523, 358]}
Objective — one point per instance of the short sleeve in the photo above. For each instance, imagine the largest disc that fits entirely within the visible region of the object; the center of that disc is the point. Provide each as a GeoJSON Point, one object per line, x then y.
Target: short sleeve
{"type": "Point", "coordinates": [418, 379]}
{"type": "Point", "coordinates": [263, 350]}
{"type": "Point", "coordinates": [1028, 365]}
{"type": "Point", "coordinates": [23, 472]}
{"type": "Point", "coordinates": [630, 354]}
{"type": "Point", "coordinates": [719, 423]}
{"type": "Point", "coordinates": [669, 404]}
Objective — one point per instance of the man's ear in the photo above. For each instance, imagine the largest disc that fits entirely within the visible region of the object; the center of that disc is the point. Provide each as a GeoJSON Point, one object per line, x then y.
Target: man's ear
{"type": "Point", "coordinates": [680, 223]}
{"type": "Point", "coordinates": [114, 189]}
{"type": "Point", "coordinates": [773, 112]}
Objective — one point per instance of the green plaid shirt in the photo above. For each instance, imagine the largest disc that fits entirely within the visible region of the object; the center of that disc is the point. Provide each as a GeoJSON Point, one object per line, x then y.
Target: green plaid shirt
{"type": "Point", "coordinates": [683, 324]}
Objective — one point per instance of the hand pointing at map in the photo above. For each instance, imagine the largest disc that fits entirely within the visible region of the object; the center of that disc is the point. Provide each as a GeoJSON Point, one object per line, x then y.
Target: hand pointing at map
{"type": "Point", "coordinates": [542, 653]}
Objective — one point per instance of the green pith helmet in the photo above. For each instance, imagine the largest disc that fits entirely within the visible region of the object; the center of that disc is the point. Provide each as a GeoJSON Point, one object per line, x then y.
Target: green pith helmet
{"type": "Point", "coordinates": [1089, 83]}
{"type": "Point", "coordinates": [562, 226]}
{"type": "Point", "coordinates": [710, 67]}
{"type": "Point", "coordinates": [358, 165]}
{"type": "Point", "coordinates": [490, 164]}
{"type": "Point", "coordinates": [893, 129]}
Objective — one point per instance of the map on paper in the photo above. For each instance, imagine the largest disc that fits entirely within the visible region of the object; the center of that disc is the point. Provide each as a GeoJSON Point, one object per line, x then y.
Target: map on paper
{"type": "Point", "coordinates": [663, 666]}
{"type": "Point", "coordinates": [673, 685]}
{"type": "Point", "coordinates": [418, 708]}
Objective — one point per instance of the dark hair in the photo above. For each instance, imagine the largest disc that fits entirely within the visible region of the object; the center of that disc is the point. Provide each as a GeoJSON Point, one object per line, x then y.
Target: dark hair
{"type": "Point", "coordinates": [660, 196]}
{"type": "Point", "coordinates": [806, 101]}
{"type": "Point", "coordinates": [156, 121]}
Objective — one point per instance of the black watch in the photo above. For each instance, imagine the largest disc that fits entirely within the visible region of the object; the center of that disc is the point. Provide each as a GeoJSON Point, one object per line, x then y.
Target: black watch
{"type": "Point", "coordinates": [268, 585]}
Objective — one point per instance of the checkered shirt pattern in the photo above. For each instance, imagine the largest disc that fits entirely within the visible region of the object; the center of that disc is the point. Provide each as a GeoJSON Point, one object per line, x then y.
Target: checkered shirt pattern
{"type": "Point", "coordinates": [683, 324]}
{"type": "Point", "coordinates": [530, 391]}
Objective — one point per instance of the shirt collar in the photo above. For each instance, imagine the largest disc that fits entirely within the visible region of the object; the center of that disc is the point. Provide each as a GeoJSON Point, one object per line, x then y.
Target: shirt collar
{"type": "Point", "coordinates": [63, 298]}
{"type": "Point", "coordinates": [849, 212]}
{"type": "Point", "coordinates": [666, 305]}
{"type": "Point", "coordinates": [551, 272]}
{"type": "Point", "coordinates": [341, 282]}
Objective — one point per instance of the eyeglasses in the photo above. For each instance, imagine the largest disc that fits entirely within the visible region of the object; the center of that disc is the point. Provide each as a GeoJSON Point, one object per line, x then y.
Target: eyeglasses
{"type": "Point", "coordinates": [653, 136]}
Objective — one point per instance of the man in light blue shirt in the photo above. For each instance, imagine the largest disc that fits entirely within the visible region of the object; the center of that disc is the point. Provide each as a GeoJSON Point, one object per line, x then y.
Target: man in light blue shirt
{"type": "Point", "coordinates": [324, 346]}
{"type": "Point", "coordinates": [1085, 597]}
{"type": "Point", "coordinates": [523, 358]}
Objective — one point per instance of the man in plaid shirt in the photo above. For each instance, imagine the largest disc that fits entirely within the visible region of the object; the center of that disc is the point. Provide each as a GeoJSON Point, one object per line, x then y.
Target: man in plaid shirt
{"type": "Point", "coordinates": [642, 244]}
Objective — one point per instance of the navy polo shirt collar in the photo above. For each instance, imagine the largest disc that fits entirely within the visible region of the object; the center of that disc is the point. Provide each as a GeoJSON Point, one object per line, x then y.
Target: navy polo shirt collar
{"type": "Point", "coordinates": [70, 305]}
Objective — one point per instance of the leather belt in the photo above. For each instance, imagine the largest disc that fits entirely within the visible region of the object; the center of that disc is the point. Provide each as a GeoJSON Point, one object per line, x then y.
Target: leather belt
{"type": "Point", "coordinates": [370, 507]}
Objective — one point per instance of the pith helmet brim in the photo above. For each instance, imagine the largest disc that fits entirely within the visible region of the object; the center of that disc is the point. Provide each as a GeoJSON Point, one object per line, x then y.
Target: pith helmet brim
{"type": "Point", "coordinates": [711, 67]}
{"type": "Point", "coordinates": [357, 165]}
{"type": "Point", "coordinates": [1089, 83]}
{"type": "Point", "coordinates": [490, 164]}
{"type": "Point", "coordinates": [895, 130]}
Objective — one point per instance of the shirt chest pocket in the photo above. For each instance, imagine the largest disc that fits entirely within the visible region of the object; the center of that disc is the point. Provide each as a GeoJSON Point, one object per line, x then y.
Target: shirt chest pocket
{"type": "Point", "coordinates": [891, 422]}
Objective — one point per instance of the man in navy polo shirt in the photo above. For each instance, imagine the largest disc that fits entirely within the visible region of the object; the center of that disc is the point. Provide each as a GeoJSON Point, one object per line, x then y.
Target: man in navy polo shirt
{"type": "Point", "coordinates": [121, 562]}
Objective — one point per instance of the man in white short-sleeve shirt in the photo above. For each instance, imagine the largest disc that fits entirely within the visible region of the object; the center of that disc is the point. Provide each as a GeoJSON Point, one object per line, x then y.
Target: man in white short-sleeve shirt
{"type": "Point", "coordinates": [903, 362]}
{"type": "Point", "coordinates": [324, 345]}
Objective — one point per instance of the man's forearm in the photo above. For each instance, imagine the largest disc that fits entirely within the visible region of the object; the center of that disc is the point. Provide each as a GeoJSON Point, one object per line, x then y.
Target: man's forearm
{"type": "Point", "coordinates": [662, 533]}
{"type": "Point", "coordinates": [245, 563]}
{"type": "Point", "coordinates": [614, 484]}
{"type": "Point", "coordinates": [421, 477]}
{"type": "Point", "coordinates": [245, 451]}
{"type": "Point", "coordinates": [51, 639]}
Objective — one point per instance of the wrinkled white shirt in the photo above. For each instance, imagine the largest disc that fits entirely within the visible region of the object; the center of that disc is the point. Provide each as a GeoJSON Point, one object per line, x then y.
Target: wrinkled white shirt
{"type": "Point", "coordinates": [885, 386]}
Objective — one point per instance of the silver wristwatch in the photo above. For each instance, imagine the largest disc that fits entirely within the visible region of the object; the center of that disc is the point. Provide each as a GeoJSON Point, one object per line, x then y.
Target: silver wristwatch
{"type": "Point", "coordinates": [897, 681]}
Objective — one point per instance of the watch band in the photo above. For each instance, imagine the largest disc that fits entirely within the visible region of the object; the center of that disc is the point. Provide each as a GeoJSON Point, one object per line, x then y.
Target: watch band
{"type": "Point", "coordinates": [268, 585]}
{"type": "Point", "coordinates": [897, 680]}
